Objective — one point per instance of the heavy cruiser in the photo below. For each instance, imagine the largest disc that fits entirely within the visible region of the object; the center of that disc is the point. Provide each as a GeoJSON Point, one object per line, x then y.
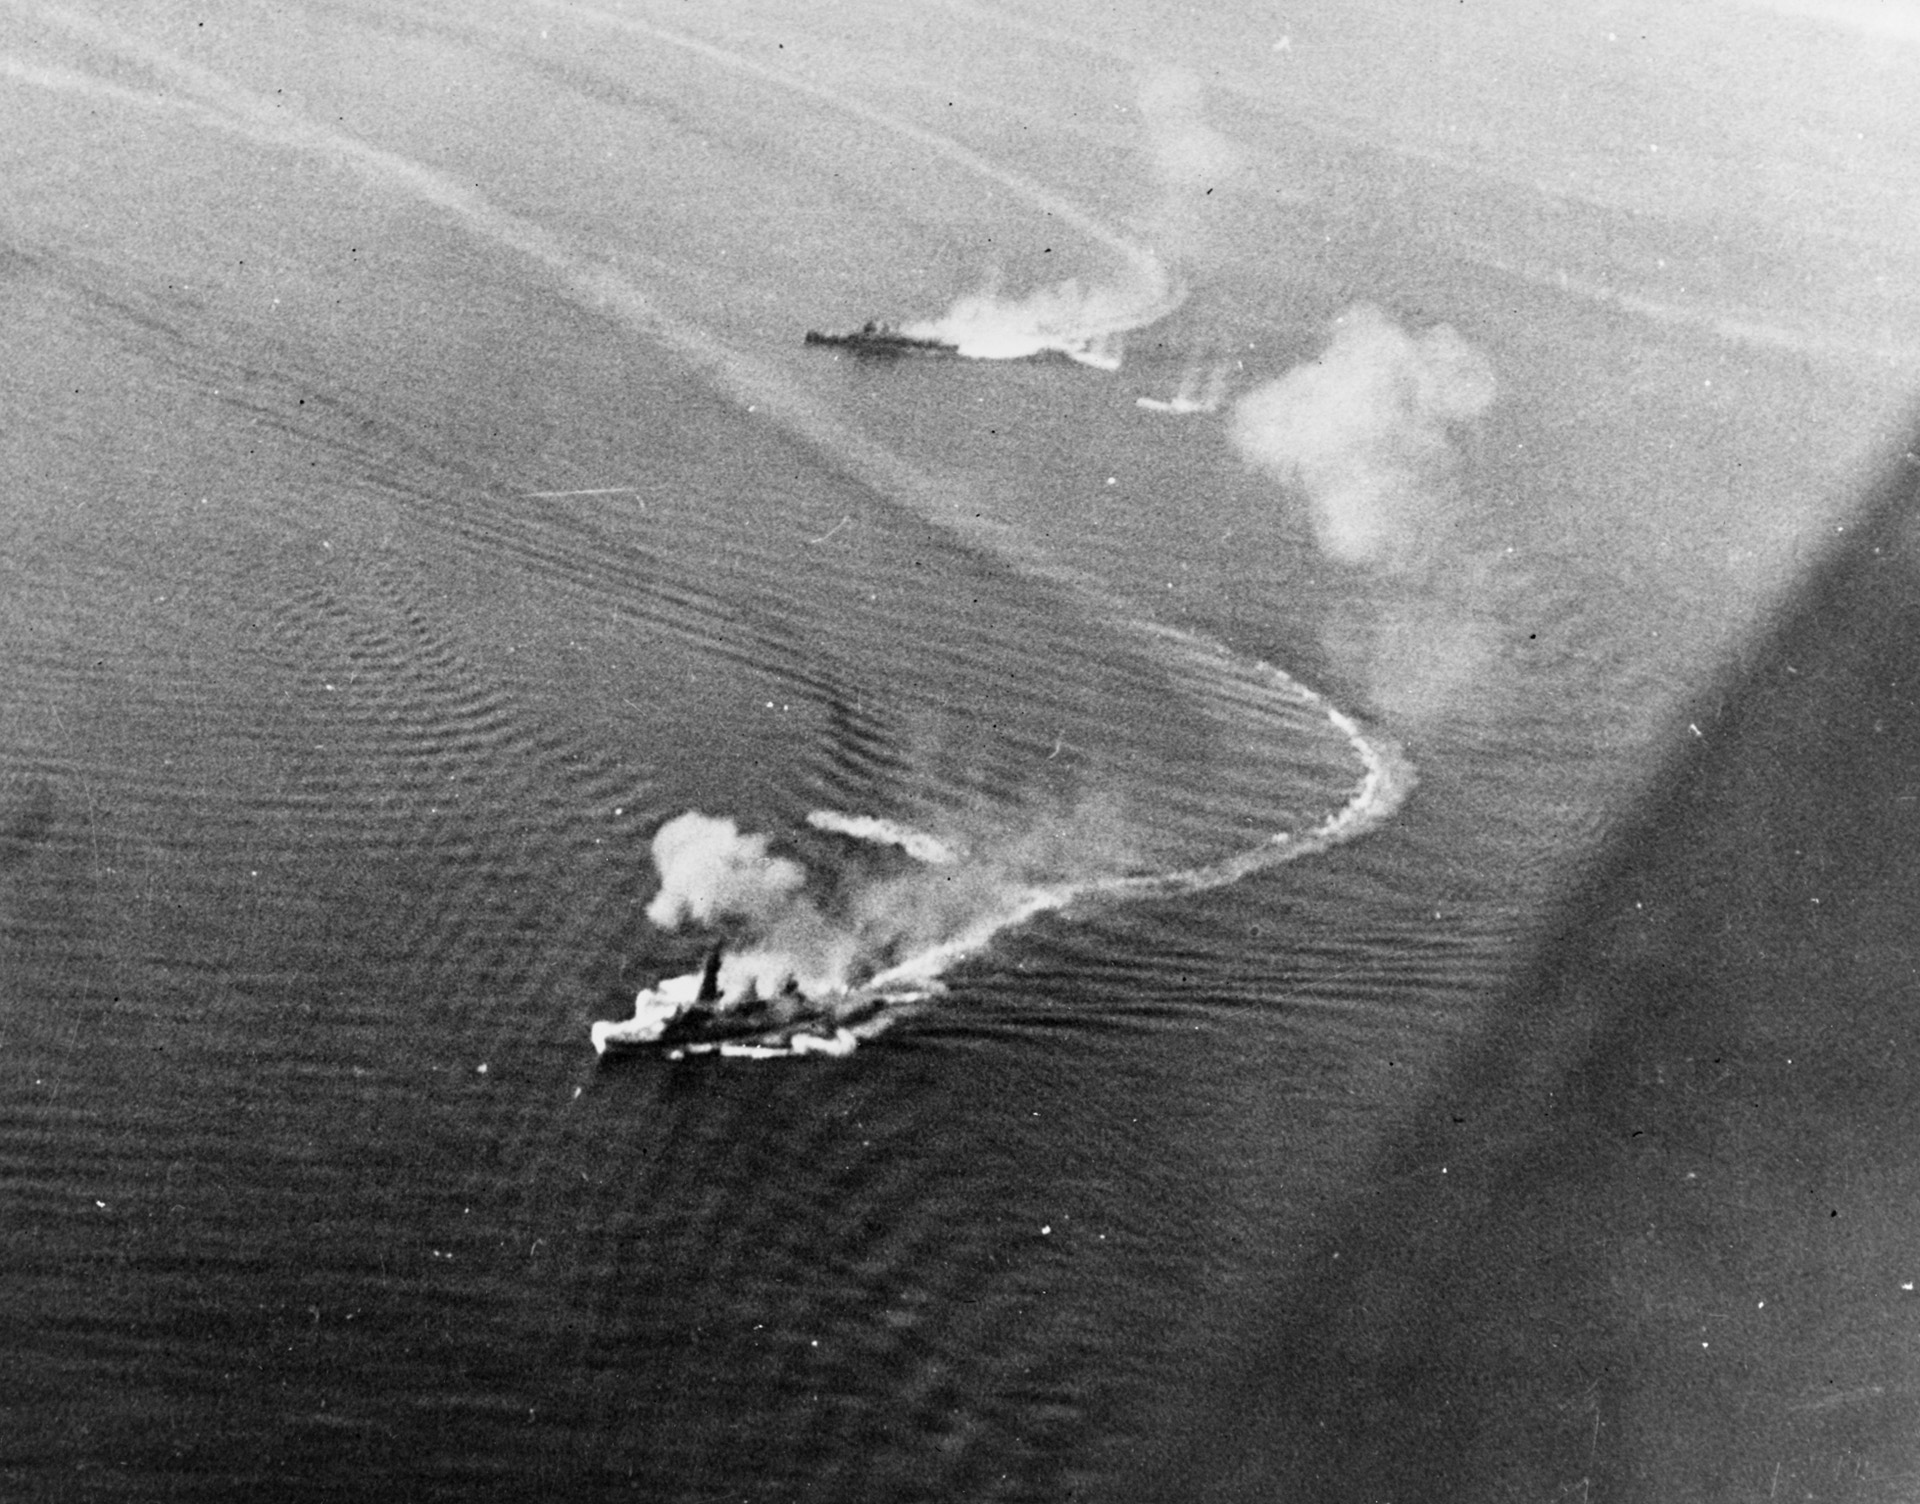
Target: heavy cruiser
{"type": "Point", "coordinates": [882, 340]}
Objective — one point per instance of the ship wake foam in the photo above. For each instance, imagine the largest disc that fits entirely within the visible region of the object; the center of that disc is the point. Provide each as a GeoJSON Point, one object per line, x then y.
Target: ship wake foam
{"type": "Point", "coordinates": [919, 903]}
{"type": "Point", "coordinates": [1087, 318]}
{"type": "Point", "coordinates": [1084, 321]}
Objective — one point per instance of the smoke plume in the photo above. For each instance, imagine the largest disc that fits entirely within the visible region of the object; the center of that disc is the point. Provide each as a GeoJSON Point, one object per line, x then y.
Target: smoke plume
{"type": "Point", "coordinates": [710, 872]}
{"type": "Point", "coordinates": [1086, 319]}
{"type": "Point", "coordinates": [1083, 321]}
{"type": "Point", "coordinates": [893, 897]}
{"type": "Point", "coordinates": [1366, 432]}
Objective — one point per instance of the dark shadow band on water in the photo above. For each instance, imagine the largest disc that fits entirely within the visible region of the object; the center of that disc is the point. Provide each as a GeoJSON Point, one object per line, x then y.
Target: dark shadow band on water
{"type": "Point", "coordinates": [1655, 1237]}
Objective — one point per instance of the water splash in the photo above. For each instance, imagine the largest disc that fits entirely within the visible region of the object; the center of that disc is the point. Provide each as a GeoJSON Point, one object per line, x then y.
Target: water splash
{"type": "Point", "coordinates": [1202, 389]}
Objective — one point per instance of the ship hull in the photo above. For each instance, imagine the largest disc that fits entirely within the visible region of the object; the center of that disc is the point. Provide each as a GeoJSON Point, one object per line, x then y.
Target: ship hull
{"type": "Point", "coordinates": [878, 342]}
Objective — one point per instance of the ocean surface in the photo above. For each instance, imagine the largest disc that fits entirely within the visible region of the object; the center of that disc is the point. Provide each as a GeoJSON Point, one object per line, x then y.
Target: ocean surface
{"type": "Point", "coordinates": [417, 492]}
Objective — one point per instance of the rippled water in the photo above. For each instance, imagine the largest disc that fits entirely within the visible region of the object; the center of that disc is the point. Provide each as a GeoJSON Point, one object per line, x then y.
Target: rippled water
{"type": "Point", "coordinates": [419, 493]}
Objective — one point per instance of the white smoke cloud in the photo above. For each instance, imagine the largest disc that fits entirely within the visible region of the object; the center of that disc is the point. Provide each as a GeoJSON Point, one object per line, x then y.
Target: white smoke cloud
{"type": "Point", "coordinates": [710, 872]}
{"type": "Point", "coordinates": [900, 896]}
{"type": "Point", "coordinates": [1087, 319]}
{"type": "Point", "coordinates": [1366, 432]}
{"type": "Point", "coordinates": [1081, 320]}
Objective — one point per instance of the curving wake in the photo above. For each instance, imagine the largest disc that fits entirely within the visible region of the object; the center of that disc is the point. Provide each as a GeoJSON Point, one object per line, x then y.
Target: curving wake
{"type": "Point", "coordinates": [814, 975]}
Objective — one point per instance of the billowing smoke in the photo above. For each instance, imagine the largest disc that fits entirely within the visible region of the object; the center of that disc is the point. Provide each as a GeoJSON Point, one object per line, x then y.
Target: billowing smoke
{"type": "Point", "coordinates": [1083, 321]}
{"type": "Point", "coordinates": [716, 877]}
{"type": "Point", "coordinates": [1366, 432]}
{"type": "Point", "coordinates": [1369, 436]}
{"type": "Point", "coordinates": [710, 872]}
{"type": "Point", "coordinates": [1087, 319]}
{"type": "Point", "coordinates": [901, 896]}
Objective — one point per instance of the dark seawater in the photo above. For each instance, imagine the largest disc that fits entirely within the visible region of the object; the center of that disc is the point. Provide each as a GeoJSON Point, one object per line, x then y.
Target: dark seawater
{"type": "Point", "coordinates": [416, 492]}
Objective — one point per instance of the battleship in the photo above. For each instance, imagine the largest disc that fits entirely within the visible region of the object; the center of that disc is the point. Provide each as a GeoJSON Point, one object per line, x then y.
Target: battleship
{"type": "Point", "coordinates": [690, 1015]}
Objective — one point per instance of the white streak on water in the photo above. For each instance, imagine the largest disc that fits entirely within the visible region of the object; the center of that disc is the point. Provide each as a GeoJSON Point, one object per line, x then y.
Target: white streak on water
{"type": "Point", "coordinates": [1043, 198]}
{"type": "Point", "coordinates": [881, 832]}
